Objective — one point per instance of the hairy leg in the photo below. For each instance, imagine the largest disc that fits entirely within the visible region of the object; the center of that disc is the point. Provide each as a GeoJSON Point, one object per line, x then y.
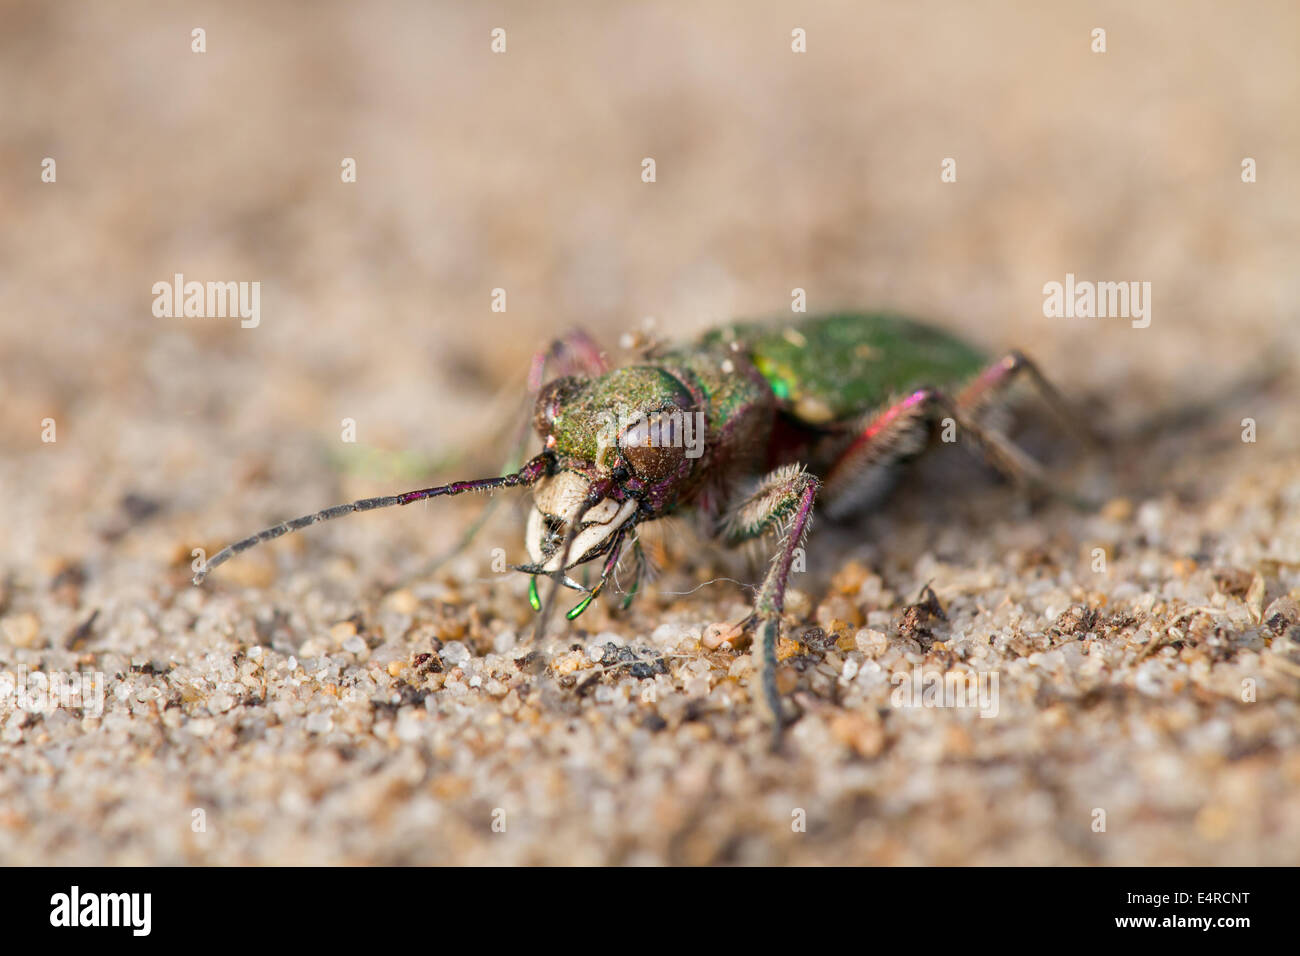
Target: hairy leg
{"type": "Point", "coordinates": [784, 499]}
{"type": "Point", "coordinates": [782, 504]}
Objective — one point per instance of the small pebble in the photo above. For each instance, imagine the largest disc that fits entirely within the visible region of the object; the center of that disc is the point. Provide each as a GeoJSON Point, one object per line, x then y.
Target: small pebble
{"type": "Point", "coordinates": [320, 723]}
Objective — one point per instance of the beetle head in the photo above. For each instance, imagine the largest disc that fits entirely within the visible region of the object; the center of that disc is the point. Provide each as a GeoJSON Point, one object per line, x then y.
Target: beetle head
{"type": "Point", "coordinates": [624, 446]}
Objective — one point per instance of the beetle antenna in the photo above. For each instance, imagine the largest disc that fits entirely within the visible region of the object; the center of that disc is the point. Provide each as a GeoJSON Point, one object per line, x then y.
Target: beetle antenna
{"type": "Point", "coordinates": [526, 475]}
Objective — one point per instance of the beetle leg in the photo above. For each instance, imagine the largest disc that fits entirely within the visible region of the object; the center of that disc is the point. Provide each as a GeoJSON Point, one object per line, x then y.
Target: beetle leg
{"type": "Point", "coordinates": [575, 352]}
{"type": "Point", "coordinates": [999, 376]}
{"type": "Point", "coordinates": [865, 469]}
{"type": "Point", "coordinates": [903, 429]}
{"type": "Point", "coordinates": [998, 450]}
{"type": "Point", "coordinates": [782, 503]}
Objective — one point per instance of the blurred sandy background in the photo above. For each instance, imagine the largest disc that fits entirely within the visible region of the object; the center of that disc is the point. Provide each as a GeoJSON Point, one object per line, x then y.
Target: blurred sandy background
{"type": "Point", "coordinates": [522, 171]}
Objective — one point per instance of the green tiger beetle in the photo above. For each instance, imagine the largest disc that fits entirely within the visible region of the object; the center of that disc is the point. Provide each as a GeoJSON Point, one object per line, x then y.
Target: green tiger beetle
{"type": "Point", "coordinates": [749, 427]}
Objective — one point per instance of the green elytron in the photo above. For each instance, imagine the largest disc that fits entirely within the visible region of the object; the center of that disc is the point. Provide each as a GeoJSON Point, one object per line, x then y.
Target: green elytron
{"type": "Point", "coordinates": [749, 427]}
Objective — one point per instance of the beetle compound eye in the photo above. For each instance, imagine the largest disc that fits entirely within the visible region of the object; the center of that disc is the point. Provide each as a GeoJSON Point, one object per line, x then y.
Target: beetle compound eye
{"type": "Point", "coordinates": [654, 446]}
{"type": "Point", "coordinates": [550, 402]}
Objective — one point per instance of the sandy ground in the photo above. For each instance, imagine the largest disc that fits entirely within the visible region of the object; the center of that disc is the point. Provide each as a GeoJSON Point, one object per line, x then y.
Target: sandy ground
{"type": "Point", "coordinates": [324, 701]}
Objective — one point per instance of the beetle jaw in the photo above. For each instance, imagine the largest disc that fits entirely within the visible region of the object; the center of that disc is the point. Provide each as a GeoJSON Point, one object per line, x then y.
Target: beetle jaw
{"type": "Point", "coordinates": [557, 502]}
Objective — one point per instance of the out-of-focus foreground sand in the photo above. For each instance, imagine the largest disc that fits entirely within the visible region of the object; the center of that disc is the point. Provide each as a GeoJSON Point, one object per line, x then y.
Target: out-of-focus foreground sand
{"type": "Point", "coordinates": [284, 700]}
